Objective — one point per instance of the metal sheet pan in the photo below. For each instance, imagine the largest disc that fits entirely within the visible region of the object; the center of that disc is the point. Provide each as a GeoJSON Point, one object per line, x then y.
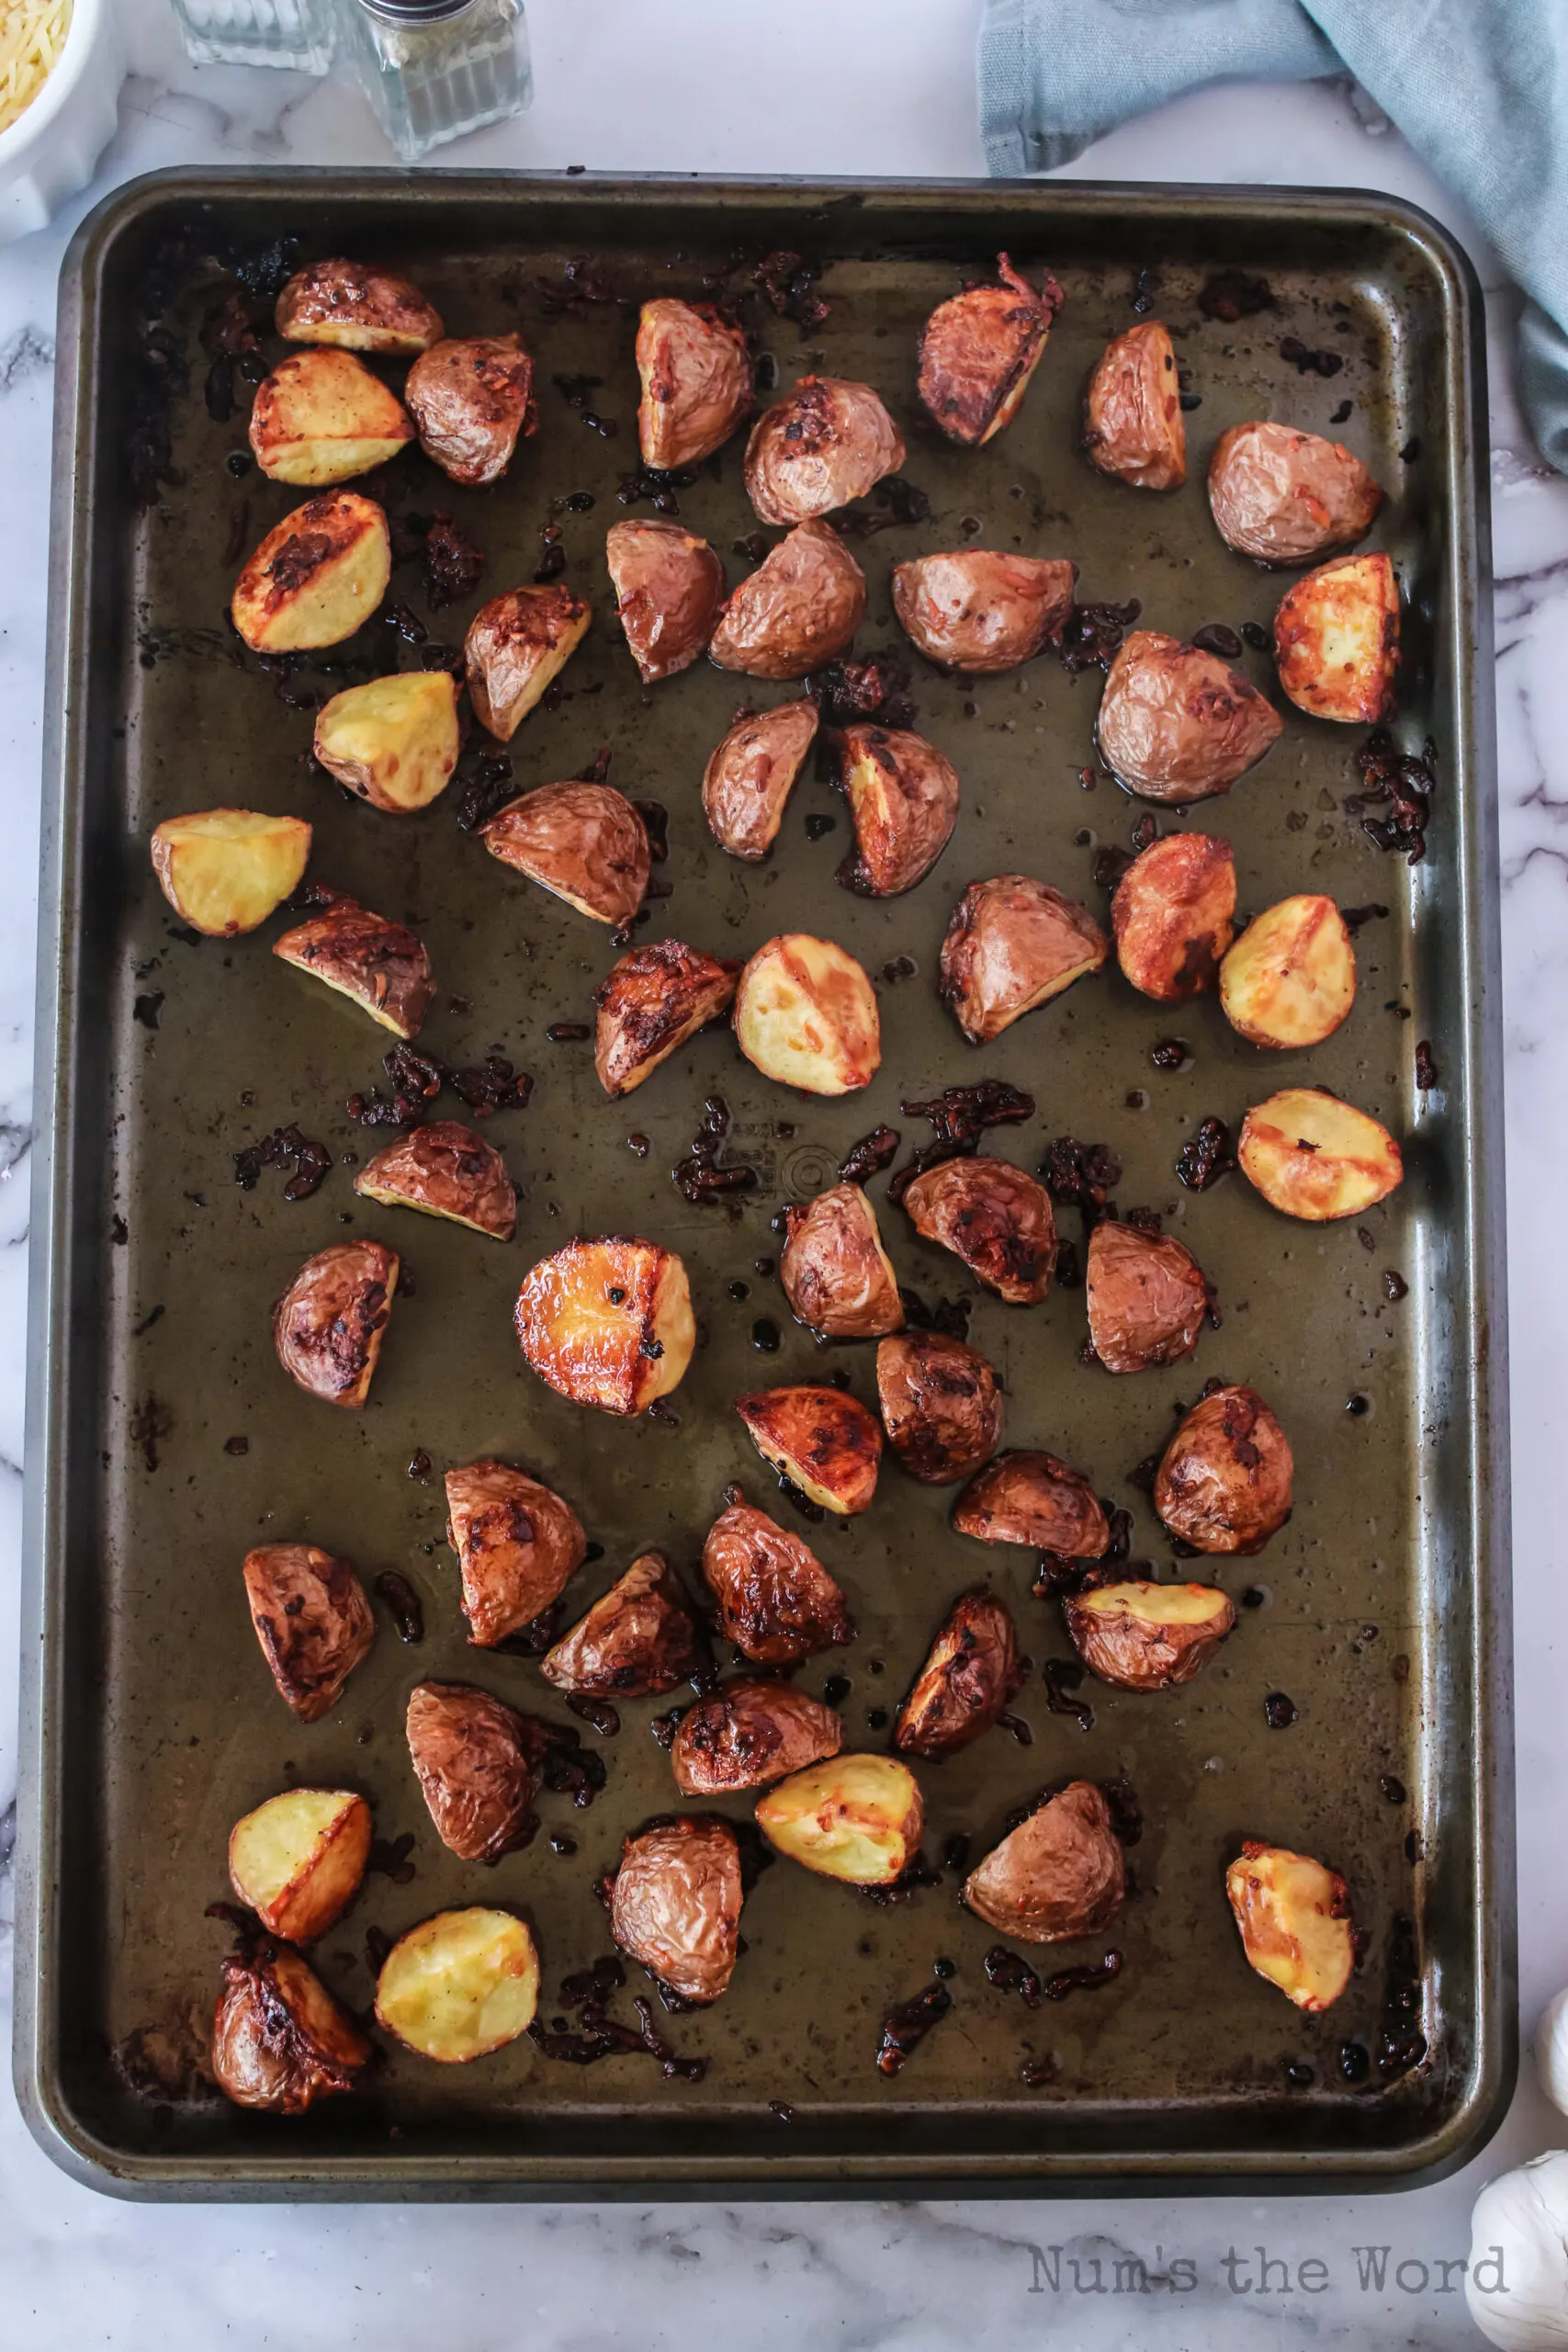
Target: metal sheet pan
{"type": "Point", "coordinates": [150, 1725]}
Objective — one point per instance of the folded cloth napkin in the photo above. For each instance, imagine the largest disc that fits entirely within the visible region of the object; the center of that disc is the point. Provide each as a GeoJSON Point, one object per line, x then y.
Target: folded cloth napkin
{"type": "Point", "coordinates": [1479, 87]}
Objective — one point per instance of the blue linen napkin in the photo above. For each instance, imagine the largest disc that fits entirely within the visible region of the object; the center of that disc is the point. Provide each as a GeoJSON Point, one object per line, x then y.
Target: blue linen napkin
{"type": "Point", "coordinates": [1479, 87]}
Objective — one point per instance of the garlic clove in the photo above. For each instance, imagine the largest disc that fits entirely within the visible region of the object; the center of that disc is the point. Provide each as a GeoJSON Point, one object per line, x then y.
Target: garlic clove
{"type": "Point", "coordinates": [1517, 2283]}
{"type": "Point", "coordinates": [1552, 2051]}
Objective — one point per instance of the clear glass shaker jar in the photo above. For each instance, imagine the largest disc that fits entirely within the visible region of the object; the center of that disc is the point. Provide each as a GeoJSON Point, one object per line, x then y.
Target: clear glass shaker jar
{"type": "Point", "coordinates": [295, 33]}
{"type": "Point", "coordinates": [433, 69]}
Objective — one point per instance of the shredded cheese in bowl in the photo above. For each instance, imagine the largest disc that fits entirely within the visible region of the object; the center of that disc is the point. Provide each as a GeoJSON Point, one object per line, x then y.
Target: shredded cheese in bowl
{"type": "Point", "coordinates": [32, 34]}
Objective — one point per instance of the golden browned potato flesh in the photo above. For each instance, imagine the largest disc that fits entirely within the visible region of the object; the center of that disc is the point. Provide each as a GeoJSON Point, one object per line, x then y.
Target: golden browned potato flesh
{"type": "Point", "coordinates": [1291, 977]}
{"type": "Point", "coordinates": [313, 1620]}
{"type": "Point", "coordinates": [393, 740]}
{"type": "Point", "coordinates": [518, 1546]}
{"type": "Point", "coordinates": [583, 842]}
{"type": "Point", "coordinates": [225, 870]}
{"type": "Point", "coordinates": [675, 1904]}
{"type": "Point", "coordinates": [979, 350]}
{"type": "Point", "coordinates": [1294, 1919]}
{"type": "Point", "coordinates": [826, 441]}
{"type": "Point", "coordinates": [696, 373]}
{"type": "Point", "coordinates": [822, 1441]}
{"type": "Point", "coordinates": [472, 398]}
{"type": "Point", "coordinates": [375, 963]}
{"type": "Point", "coordinates": [1314, 1157]}
{"type": "Point", "coordinates": [329, 1324]}
{"type": "Point", "coordinates": [1177, 724]}
{"type": "Point", "coordinates": [805, 1014]}
{"type": "Point", "coordinates": [1147, 1295]}
{"type": "Point", "coordinates": [459, 1985]}
{"type": "Point", "coordinates": [749, 778]}
{"type": "Point", "coordinates": [1285, 497]}
{"type": "Point", "coordinates": [855, 1818]}
{"type": "Point", "coordinates": [903, 800]}
{"type": "Point", "coordinates": [1173, 915]}
{"type": "Point", "coordinates": [941, 1405]}
{"type": "Point", "coordinates": [746, 1734]}
{"type": "Point", "coordinates": [608, 1323]}
{"type": "Point", "coordinates": [316, 577]}
{"type": "Point", "coordinates": [1028, 1497]}
{"type": "Point", "coordinates": [836, 1274]}
{"type": "Point", "coordinates": [800, 608]}
{"type": "Point", "coordinates": [993, 1216]}
{"type": "Point", "coordinates": [1143, 1636]}
{"type": "Point", "coordinates": [299, 1859]}
{"type": "Point", "coordinates": [279, 2040]}
{"type": "Point", "coordinates": [322, 417]}
{"type": "Point", "coordinates": [776, 1601]}
{"type": "Point", "coordinates": [669, 586]}
{"type": "Point", "coordinates": [1056, 1876]}
{"type": "Point", "coordinates": [967, 1683]}
{"type": "Point", "coordinates": [650, 1004]}
{"type": "Point", "coordinates": [478, 1762]}
{"type": "Point", "coordinates": [1224, 1483]}
{"type": "Point", "coordinates": [445, 1169]}
{"type": "Point", "coordinates": [517, 645]}
{"type": "Point", "coordinates": [1336, 639]}
{"type": "Point", "coordinates": [638, 1640]}
{"type": "Point", "coordinates": [1134, 427]}
{"type": "Point", "coordinates": [358, 308]}
{"type": "Point", "coordinates": [1014, 943]}
{"type": "Point", "coordinates": [978, 611]}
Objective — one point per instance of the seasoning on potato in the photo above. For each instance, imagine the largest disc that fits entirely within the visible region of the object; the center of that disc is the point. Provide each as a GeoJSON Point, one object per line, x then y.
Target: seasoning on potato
{"type": "Point", "coordinates": [375, 963]}
{"type": "Point", "coordinates": [1148, 1297]}
{"type": "Point", "coordinates": [675, 1904]}
{"type": "Point", "coordinates": [820, 1440]}
{"type": "Point", "coordinates": [995, 1217]}
{"type": "Point", "coordinates": [941, 1405]}
{"type": "Point", "coordinates": [394, 741]}
{"type": "Point", "coordinates": [1284, 496]}
{"type": "Point", "coordinates": [1177, 724]}
{"type": "Point", "coordinates": [1314, 1157]}
{"type": "Point", "coordinates": [478, 1762]}
{"type": "Point", "coordinates": [979, 611]}
{"type": "Point", "coordinates": [1134, 427]}
{"type": "Point", "coordinates": [1058, 1875]}
{"type": "Point", "coordinates": [638, 1640]}
{"type": "Point", "coordinates": [979, 349]}
{"type": "Point", "coordinates": [836, 1274]}
{"type": "Point", "coordinates": [825, 443]}
{"type": "Point", "coordinates": [1013, 943]}
{"type": "Point", "coordinates": [805, 1014]}
{"type": "Point", "coordinates": [1028, 1497]}
{"type": "Point", "coordinates": [1173, 916]}
{"type": "Point", "coordinates": [1143, 1636]}
{"type": "Point", "coordinates": [749, 779]}
{"type": "Point", "coordinates": [358, 307]}
{"type": "Point", "coordinates": [669, 586]}
{"type": "Point", "coordinates": [299, 1859]}
{"type": "Point", "coordinates": [608, 1323]}
{"type": "Point", "coordinates": [696, 373]}
{"type": "Point", "coordinates": [650, 1003]}
{"type": "Point", "coordinates": [316, 577]}
{"type": "Point", "coordinates": [279, 2040]}
{"type": "Point", "coordinates": [329, 1324]}
{"type": "Point", "coordinates": [1293, 1916]}
{"type": "Point", "coordinates": [516, 647]}
{"type": "Point", "coordinates": [744, 1734]}
{"type": "Point", "coordinates": [472, 400]}
{"type": "Point", "coordinates": [225, 870]}
{"type": "Point", "coordinates": [776, 1601]}
{"type": "Point", "coordinates": [967, 1682]}
{"type": "Point", "coordinates": [459, 1985]}
{"type": "Point", "coordinates": [854, 1818]}
{"type": "Point", "coordinates": [1223, 1483]}
{"type": "Point", "coordinates": [583, 842]}
{"type": "Point", "coordinates": [799, 609]}
{"type": "Point", "coordinates": [1291, 977]}
{"type": "Point", "coordinates": [1336, 639]}
{"type": "Point", "coordinates": [322, 417]}
{"type": "Point", "coordinates": [902, 797]}
{"type": "Point", "coordinates": [445, 1170]}
{"type": "Point", "coordinates": [313, 1620]}
{"type": "Point", "coordinates": [517, 1543]}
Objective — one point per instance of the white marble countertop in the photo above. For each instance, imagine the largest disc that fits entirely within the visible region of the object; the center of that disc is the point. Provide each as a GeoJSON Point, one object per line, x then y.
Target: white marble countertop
{"type": "Point", "coordinates": [685, 86]}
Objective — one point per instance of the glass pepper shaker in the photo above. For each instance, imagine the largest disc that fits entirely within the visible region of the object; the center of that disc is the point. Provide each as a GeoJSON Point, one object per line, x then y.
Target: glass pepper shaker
{"type": "Point", "coordinates": [434, 69]}
{"type": "Point", "coordinates": [295, 33]}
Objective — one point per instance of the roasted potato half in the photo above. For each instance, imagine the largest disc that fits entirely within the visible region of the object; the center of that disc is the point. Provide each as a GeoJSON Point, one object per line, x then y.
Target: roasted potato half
{"type": "Point", "coordinates": [1172, 914]}
{"type": "Point", "coordinates": [903, 800]}
{"type": "Point", "coordinates": [445, 1169]}
{"type": "Point", "coordinates": [979, 350]}
{"type": "Point", "coordinates": [826, 441]}
{"type": "Point", "coordinates": [941, 1405]}
{"type": "Point", "coordinates": [669, 586]}
{"type": "Point", "coordinates": [320, 417]}
{"type": "Point", "coordinates": [638, 1640]}
{"type": "Point", "coordinates": [746, 1734]}
{"type": "Point", "coordinates": [472, 399]}
{"type": "Point", "coordinates": [995, 1217]}
{"type": "Point", "coordinates": [1147, 1296]}
{"type": "Point", "coordinates": [1294, 1919]}
{"type": "Point", "coordinates": [696, 373]}
{"type": "Point", "coordinates": [375, 963]}
{"type": "Point", "coordinates": [1013, 943]}
{"type": "Point", "coordinates": [1028, 1497]}
{"type": "Point", "coordinates": [279, 2040]}
{"type": "Point", "coordinates": [1336, 639]}
{"type": "Point", "coordinates": [393, 740]}
{"type": "Point", "coordinates": [1314, 1157]}
{"type": "Point", "coordinates": [1284, 496]}
{"type": "Point", "coordinates": [749, 778]}
{"type": "Point", "coordinates": [805, 1014]}
{"type": "Point", "coordinates": [776, 1601]}
{"type": "Point", "coordinates": [299, 1859]}
{"type": "Point", "coordinates": [1143, 1636]}
{"type": "Point", "coordinates": [225, 870]}
{"type": "Point", "coordinates": [967, 1683]}
{"type": "Point", "coordinates": [518, 1545]}
{"type": "Point", "coordinates": [978, 611]}
{"type": "Point", "coordinates": [648, 1005]}
{"type": "Point", "coordinates": [1177, 724]}
{"type": "Point", "coordinates": [358, 308]}
{"type": "Point", "coordinates": [820, 1440]}
{"type": "Point", "coordinates": [583, 842]}
{"type": "Point", "coordinates": [477, 1763]}
{"type": "Point", "coordinates": [608, 1323]}
{"type": "Point", "coordinates": [675, 1904]}
{"type": "Point", "coordinates": [857, 1818]}
{"type": "Point", "coordinates": [330, 1322]}
{"type": "Point", "coordinates": [1134, 427]}
{"type": "Point", "coordinates": [313, 1620]}
{"type": "Point", "coordinates": [1225, 1482]}
{"type": "Point", "coordinates": [836, 1274]}
{"type": "Point", "coordinates": [517, 646]}
{"type": "Point", "coordinates": [1056, 1876]}
{"type": "Point", "coordinates": [459, 1985]}
{"type": "Point", "coordinates": [800, 608]}
{"type": "Point", "coordinates": [316, 577]}
{"type": "Point", "coordinates": [1291, 977]}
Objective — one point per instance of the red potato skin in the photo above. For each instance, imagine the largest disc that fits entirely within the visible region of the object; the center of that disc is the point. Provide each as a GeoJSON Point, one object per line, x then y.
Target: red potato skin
{"type": "Point", "coordinates": [1133, 1654]}
{"type": "Point", "coordinates": [967, 1683]}
{"type": "Point", "coordinates": [509, 640]}
{"type": "Point", "coordinates": [905, 818]}
{"type": "Point", "coordinates": [638, 1640]}
{"type": "Point", "coordinates": [1009, 943]}
{"type": "Point", "coordinates": [749, 778]}
{"type": "Point", "coordinates": [668, 587]}
{"type": "Point", "coordinates": [472, 400]}
{"type": "Point", "coordinates": [941, 1405]}
{"type": "Point", "coordinates": [1147, 1296]}
{"type": "Point", "coordinates": [1225, 1481]}
{"type": "Point", "coordinates": [1172, 916]}
{"type": "Point", "coordinates": [825, 443]}
{"type": "Point", "coordinates": [747, 1733]}
{"type": "Point", "coordinates": [978, 612]}
{"type": "Point", "coordinates": [1058, 1875]}
{"type": "Point", "coordinates": [519, 1545]}
{"type": "Point", "coordinates": [582, 838]}
{"type": "Point", "coordinates": [696, 381]}
{"type": "Point", "coordinates": [385, 312]}
{"type": "Point", "coordinates": [675, 1904]}
{"type": "Point", "coordinates": [1134, 427]}
{"type": "Point", "coordinates": [1177, 724]}
{"type": "Point", "coordinates": [449, 1171]}
{"type": "Point", "coordinates": [1286, 497]}
{"type": "Point", "coordinates": [279, 2040]}
{"type": "Point", "coordinates": [386, 968]}
{"type": "Point", "coordinates": [1028, 1497]}
{"type": "Point", "coordinates": [477, 1762]}
{"type": "Point", "coordinates": [776, 1601]}
{"type": "Point", "coordinates": [328, 1325]}
{"type": "Point", "coordinates": [800, 608]}
{"type": "Point", "coordinates": [995, 1217]}
{"type": "Point", "coordinates": [979, 349]}
{"type": "Point", "coordinates": [313, 1620]}
{"type": "Point", "coordinates": [648, 1005]}
{"type": "Point", "coordinates": [833, 1270]}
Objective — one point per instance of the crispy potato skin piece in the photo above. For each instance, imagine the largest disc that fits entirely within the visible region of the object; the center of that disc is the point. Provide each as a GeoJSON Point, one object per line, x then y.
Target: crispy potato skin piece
{"type": "Point", "coordinates": [1147, 1295]}
{"type": "Point", "coordinates": [854, 1818]}
{"type": "Point", "coordinates": [1057, 1875]}
{"type": "Point", "coordinates": [478, 1764]}
{"type": "Point", "coordinates": [1336, 639]}
{"type": "Point", "coordinates": [380, 965]}
{"type": "Point", "coordinates": [459, 1985]}
{"type": "Point", "coordinates": [669, 586]}
{"type": "Point", "coordinates": [1225, 1482]}
{"type": "Point", "coordinates": [836, 1274]}
{"type": "Point", "coordinates": [649, 1004]}
{"type": "Point", "coordinates": [747, 1733]}
{"type": "Point", "coordinates": [328, 1325]}
{"type": "Point", "coordinates": [1177, 724]}
{"type": "Point", "coordinates": [675, 1904]}
{"type": "Point", "coordinates": [995, 1217]}
{"type": "Point", "coordinates": [394, 741]}
{"type": "Point", "coordinates": [977, 611]}
{"type": "Point", "coordinates": [1293, 1916]}
{"type": "Point", "coordinates": [1133, 428]}
{"type": "Point", "coordinates": [472, 399]}
{"type": "Point", "coordinates": [941, 1405]}
{"type": "Point", "coordinates": [824, 1442]}
{"type": "Point", "coordinates": [316, 576]}
{"type": "Point", "coordinates": [320, 417]}
{"type": "Point", "coordinates": [826, 441]}
{"type": "Point", "coordinates": [638, 1640]}
{"type": "Point", "coordinates": [805, 1014]}
{"type": "Point", "coordinates": [608, 1323]}
{"type": "Point", "coordinates": [517, 1543]}
{"type": "Point", "coordinates": [225, 870]}
{"type": "Point", "coordinates": [446, 1171]}
{"type": "Point", "coordinates": [800, 608]}
{"type": "Point", "coordinates": [1143, 1636]}
{"type": "Point", "coordinates": [279, 2040]}
{"type": "Point", "coordinates": [1013, 943]}
{"type": "Point", "coordinates": [979, 350]}
{"type": "Point", "coordinates": [515, 646]}
{"type": "Point", "coordinates": [749, 778]}
{"type": "Point", "coordinates": [1291, 977]}
{"type": "Point", "coordinates": [358, 308]}
{"type": "Point", "coordinates": [1028, 1497]}
{"type": "Point", "coordinates": [1316, 1157]}
{"type": "Point", "coordinates": [966, 1682]}
{"type": "Point", "coordinates": [776, 1601]}
{"type": "Point", "coordinates": [696, 381]}
{"type": "Point", "coordinates": [1285, 497]}
{"type": "Point", "coordinates": [583, 842]}
{"type": "Point", "coordinates": [1172, 913]}
{"type": "Point", "coordinates": [903, 798]}
{"type": "Point", "coordinates": [313, 1620]}
{"type": "Point", "coordinates": [311, 1847]}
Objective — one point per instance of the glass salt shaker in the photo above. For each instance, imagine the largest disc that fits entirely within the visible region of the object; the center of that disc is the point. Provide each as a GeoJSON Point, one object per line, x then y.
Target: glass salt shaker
{"type": "Point", "coordinates": [295, 33]}
{"type": "Point", "coordinates": [434, 69]}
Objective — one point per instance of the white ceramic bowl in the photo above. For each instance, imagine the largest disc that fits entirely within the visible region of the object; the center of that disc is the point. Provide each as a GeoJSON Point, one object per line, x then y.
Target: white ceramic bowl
{"type": "Point", "coordinates": [51, 151]}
